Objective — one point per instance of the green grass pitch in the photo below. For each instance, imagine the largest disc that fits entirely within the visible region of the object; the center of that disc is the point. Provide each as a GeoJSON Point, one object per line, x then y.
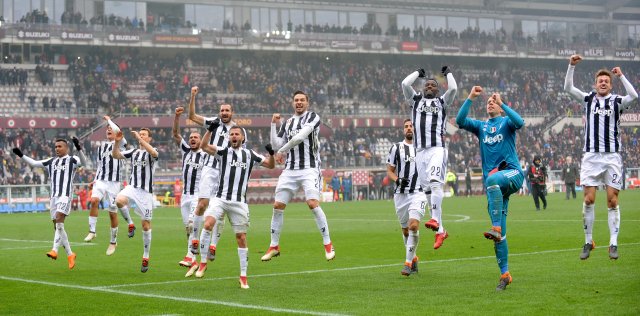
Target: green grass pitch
{"type": "Point", "coordinates": [364, 279]}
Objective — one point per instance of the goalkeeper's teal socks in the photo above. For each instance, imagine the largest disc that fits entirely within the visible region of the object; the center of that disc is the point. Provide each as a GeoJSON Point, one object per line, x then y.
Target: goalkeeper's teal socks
{"type": "Point", "coordinates": [494, 196]}
{"type": "Point", "coordinates": [502, 254]}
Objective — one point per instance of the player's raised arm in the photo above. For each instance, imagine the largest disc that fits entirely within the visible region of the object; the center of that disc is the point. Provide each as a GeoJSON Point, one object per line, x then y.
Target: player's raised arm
{"type": "Point", "coordinates": [568, 79]}
{"type": "Point", "coordinates": [513, 116]}
{"type": "Point", "coordinates": [152, 151]}
{"type": "Point", "coordinates": [452, 86]}
{"type": "Point", "coordinates": [632, 94]}
{"type": "Point", "coordinates": [115, 152]}
{"type": "Point", "coordinates": [270, 162]}
{"type": "Point", "coordinates": [303, 133]}
{"type": "Point", "coordinates": [176, 126]}
{"type": "Point", "coordinates": [198, 119]}
{"type": "Point", "coordinates": [407, 89]}
{"type": "Point", "coordinates": [206, 139]}
{"type": "Point", "coordinates": [33, 163]}
{"type": "Point", "coordinates": [276, 137]}
{"type": "Point", "coordinates": [83, 158]}
{"type": "Point", "coordinates": [461, 118]}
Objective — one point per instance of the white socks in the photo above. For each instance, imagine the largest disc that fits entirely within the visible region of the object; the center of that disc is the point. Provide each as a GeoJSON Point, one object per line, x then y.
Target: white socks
{"type": "Point", "coordinates": [205, 239]}
{"type": "Point", "coordinates": [146, 241]}
{"type": "Point", "coordinates": [244, 260]}
{"type": "Point", "coordinates": [588, 217]}
{"type": "Point", "coordinates": [277, 220]}
{"type": "Point", "coordinates": [412, 245]}
{"type": "Point", "coordinates": [321, 222]}
{"type": "Point", "coordinates": [114, 235]}
{"type": "Point", "coordinates": [125, 213]}
{"type": "Point", "coordinates": [614, 225]}
{"type": "Point", "coordinates": [63, 239]}
{"type": "Point", "coordinates": [197, 221]}
{"type": "Point", "coordinates": [217, 232]}
{"type": "Point", "coordinates": [436, 203]}
{"type": "Point", "coordinates": [92, 223]}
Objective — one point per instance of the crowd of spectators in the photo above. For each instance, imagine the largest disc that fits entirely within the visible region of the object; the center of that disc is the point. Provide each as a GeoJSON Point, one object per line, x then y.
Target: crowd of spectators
{"type": "Point", "coordinates": [12, 77]}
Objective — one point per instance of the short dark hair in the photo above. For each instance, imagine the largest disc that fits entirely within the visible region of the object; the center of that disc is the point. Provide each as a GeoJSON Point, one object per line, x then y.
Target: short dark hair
{"type": "Point", "coordinates": [61, 140]}
{"type": "Point", "coordinates": [240, 128]}
{"type": "Point", "coordinates": [407, 120]}
{"type": "Point", "coordinates": [300, 92]}
{"type": "Point", "coordinates": [146, 129]}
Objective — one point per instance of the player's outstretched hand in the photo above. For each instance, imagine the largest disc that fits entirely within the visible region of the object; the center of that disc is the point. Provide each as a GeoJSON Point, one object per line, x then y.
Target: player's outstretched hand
{"type": "Point", "coordinates": [475, 92]}
{"type": "Point", "coordinates": [269, 149]}
{"type": "Point", "coordinates": [17, 152]}
{"type": "Point", "coordinates": [179, 111]}
{"type": "Point", "coordinates": [194, 90]}
{"type": "Point", "coordinates": [445, 70]}
{"type": "Point", "coordinates": [214, 125]}
{"type": "Point", "coordinates": [575, 59]}
{"type": "Point", "coordinates": [421, 73]}
{"type": "Point", "coordinates": [76, 143]}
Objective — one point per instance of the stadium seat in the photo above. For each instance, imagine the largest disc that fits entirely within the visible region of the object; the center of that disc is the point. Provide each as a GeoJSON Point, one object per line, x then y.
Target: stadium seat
{"type": "Point", "coordinates": [5, 208]}
{"type": "Point", "coordinates": [41, 207]}
{"type": "Point", "coordinates": [19, 207]}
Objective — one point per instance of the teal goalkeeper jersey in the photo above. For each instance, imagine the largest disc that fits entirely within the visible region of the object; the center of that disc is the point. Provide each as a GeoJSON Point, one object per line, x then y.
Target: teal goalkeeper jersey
{"type": "Point", "coordinates": [497, 138]}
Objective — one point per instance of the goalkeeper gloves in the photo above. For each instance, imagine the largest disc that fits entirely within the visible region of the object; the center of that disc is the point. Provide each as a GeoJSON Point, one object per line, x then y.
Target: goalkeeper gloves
{"type": "Point", "coordinates": [421, 73]}
{"type": "Point", "coordinates": [76, 143]}
{"type": "Point", "coordinates": [269, 149]}
{"type": "Point", "coordinates": [445, 70]}
{"type": "Point", "coordinates": [18, 152]}
{"type": "Point", "coordinates": [214, 125]}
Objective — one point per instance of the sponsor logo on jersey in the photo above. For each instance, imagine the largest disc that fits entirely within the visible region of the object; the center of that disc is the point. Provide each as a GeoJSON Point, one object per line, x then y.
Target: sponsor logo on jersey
{"type": "Point", "coordinates": [238, 164]}
{"type": "Point", "coordinates": [492, 140]}
{"type": "Point", "coordinates": [600, 111]}
{"type": "Point", "coordinates": [140, 163]}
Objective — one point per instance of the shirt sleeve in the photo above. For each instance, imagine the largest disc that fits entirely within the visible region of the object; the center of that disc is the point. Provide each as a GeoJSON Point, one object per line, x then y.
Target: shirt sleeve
{"type": "Point", "coordinates": [313, 120]}
{"type": "Point", "coordinates": [391, 159]}
{"type": "Point", "coordinates": [157, 157]}
{"type": "Point", "coordinates": [128, 153]}
{"type": "Point", "coordinates": [184, 145]}
{"type": "Point", "coordinates": [222, 151]}
{"type": "Point", "coordinates": [209, 120]}
{"type": "Point", "coordinates": [257, 158]}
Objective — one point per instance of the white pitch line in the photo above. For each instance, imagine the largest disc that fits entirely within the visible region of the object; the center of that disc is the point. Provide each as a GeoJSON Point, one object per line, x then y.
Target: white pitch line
{"type": "Point", "coordinates": [349, 268]}
{"type": "Point", "coordinates": [42, 241]}
{"type": "Point", "coordinates": [41, 247]}
{"type": "Point", "coordinates": [173, 298]}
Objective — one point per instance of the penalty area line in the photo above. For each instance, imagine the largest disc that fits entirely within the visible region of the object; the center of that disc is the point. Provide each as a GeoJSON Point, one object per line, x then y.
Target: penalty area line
{"type": "Point", "coordinates": [173, 298]}
{"type": "Point", "coordinates": [350, 268]}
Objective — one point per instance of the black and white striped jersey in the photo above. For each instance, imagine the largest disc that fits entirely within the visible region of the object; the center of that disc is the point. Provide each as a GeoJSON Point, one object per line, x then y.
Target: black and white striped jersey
{"type": "Point", "coordinates": [429, 117]}
{"type": "Point", "coordinates": [220, 138]}
{"type": "Point", "coordinates": [402, 156]}
{"type": "Point", "coordinates": [61, 172]}
{"type": "Point", "coordinates": [235, 170]}
{"type": "Point", "coordinates": [192, 163]}
{"type": "Point", "coordinates": [143, 166]}
{"type": "Point", "coordinates": [602, 123]}
{"type": "Point", "coordinates": [306, 154]}
{"type": "Point", "coordinates": [109, 168]}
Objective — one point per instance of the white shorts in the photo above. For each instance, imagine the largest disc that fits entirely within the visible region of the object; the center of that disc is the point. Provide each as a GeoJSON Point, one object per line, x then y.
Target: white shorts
{"type": "Point", "coordinates": [188, 205]}
{"type": "Point", "coordinates": [59, 204]}
{"type": "Point", "coordinates": [410, 206]}
{"type": "Point", "coordinates": [601, 168]}
{"type": "Point", "coordinates": [108, 189]}
{"type": "Point", "coordinates": [143, 200]}
{"type": "Point", "coordinates": [432, 165]}
{"type": "Point", "coordinates": [291, 180]}
{"type": "Point", "coordinates": [237, 212]}
{"type": "Point", "coordinates": [208, 182]}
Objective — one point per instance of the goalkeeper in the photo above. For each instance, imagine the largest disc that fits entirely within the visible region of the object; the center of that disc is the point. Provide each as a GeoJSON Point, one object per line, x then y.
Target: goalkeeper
{"type": "Point", "coordinates": [409, 199]}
